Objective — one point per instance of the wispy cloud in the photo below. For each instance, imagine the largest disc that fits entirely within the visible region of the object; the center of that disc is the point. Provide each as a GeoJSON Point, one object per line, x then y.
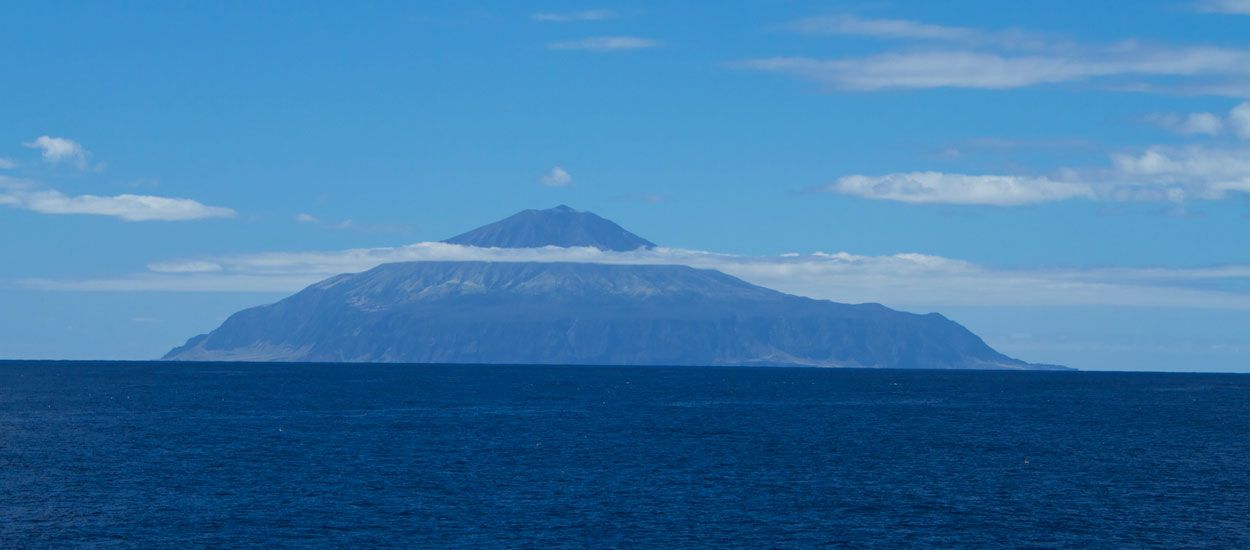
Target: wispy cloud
{"type": "Point", "coordinates": [184, 266]}
{"type": "Point", "coordinates": [977, 146]}
{"type": "Point", "coordinates": [899, 280]}
{"type": "Point", "coordinates": [1192, 123]}
{"type": "Point", "coordinates": [7, 164]}
{"type": "Point", "coordinates": [1232, 7]}
{"type": "Point", "coordinates": [997, 60]}
{"type": "Point", "coordinates": [1237, 122]}
{"type": "Point", "coordinates": [943, 188]}
{"type": "Point", "coordinates": [60, 150]}
{"type": "Point", "coordinates": [903, 29]}
{"type": "Point", "coordinates": [996, 71]}
{"type": "Point", "coordinates": [606, 44]}
{"type": "Point", "coordinates": [1171, 174]}
{"type": "Point", "coordinates": [556, 177]}
{"type": "Point", "coordinates": [350, 225]}
{"type": "Point", "coordinates": [850, 25]}
{"type": "Point", "coordinates": [127, 207]}
{"type": "Point", "coordinates": [565, 17]}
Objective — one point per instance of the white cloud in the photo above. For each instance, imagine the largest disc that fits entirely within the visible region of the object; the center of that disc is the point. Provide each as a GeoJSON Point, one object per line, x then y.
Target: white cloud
{"type": "Point", "coordinates": [1239, 120]}
{"type": "Point", "coordinates": [184, 266]}
{"type": "Point", "coordinates": [60, 150]}
{"type": "Point", "coordinates": [190, 282]}
{"type": "Point", "coordinates": [7, 164]}
{"type": "Point", "coordinates": [1232, 7]}
{"type": "Point", "coordinates": [850, 25]}
{"type": "Point", "coordinates": [996, 60]}
{"type": "Point", "coordinates": [903, 29]}
{"type": "Point", "coordinates": [564, 17]}
{"type": "Point", "coordinates": [899, 280]}
{"type": "Point", "coordinates": [606, 44]}
{"type": "Point", "coordinates": [1192, 123]}
{"type": "Point", "coordinates": [557, 177]}
{"type": "Point", "coordinates": [345, 224]}
{"type": "Point", "coordinates": [1156, 174]}
{"type": "Point", "coordinates": [943, 188]}
{"type": "Point", "coordinates": [131, 208]}
{"type": "Point", "coordinates": [996, 71]}
{"type": "Point", "coordinates": [1201, 172]}
{"type": "Point", "coordinates": [1202, 123]}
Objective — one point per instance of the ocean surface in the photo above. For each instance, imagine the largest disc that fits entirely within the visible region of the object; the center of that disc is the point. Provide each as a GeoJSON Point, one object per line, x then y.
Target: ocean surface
{"type": "Point", "coordinates": [151, 454]}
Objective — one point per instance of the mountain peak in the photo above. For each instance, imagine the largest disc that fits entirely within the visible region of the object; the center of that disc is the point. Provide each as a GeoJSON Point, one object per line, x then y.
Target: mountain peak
{"type": "Point", "coordinates": [559, 226]}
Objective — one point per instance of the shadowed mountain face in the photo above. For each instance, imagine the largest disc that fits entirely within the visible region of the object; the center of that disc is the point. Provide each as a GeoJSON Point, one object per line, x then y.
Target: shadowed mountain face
{"type": "Point", "coordinates": [569, 313]}
{"type": "Point", "coordinates": [579, 313]}
{"type": "Point", "coordinates": [559, 226]}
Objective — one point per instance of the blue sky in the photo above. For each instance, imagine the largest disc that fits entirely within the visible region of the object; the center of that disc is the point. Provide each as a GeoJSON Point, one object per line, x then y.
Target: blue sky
{"type": "Point", "coordinates": [1071, 181]}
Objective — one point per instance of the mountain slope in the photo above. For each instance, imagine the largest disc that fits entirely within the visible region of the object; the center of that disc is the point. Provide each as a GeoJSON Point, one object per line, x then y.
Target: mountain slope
{"type": "Point", "coordinates": [559, 226]}
{"type": "Point", "coordinates": [572, 313]}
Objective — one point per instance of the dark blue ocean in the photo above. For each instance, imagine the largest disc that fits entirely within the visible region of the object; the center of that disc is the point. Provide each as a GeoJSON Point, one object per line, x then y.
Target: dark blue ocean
{"type": "Point", "coordinates": [149, 454]}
